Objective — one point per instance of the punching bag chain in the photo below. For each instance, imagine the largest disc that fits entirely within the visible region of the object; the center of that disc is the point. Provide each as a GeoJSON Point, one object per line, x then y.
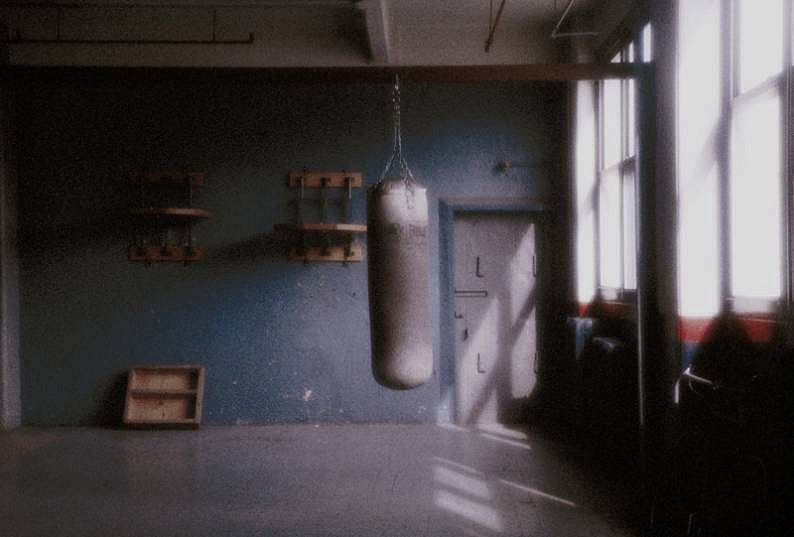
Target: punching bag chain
{"type": "Point", "coordinates": [397, 156]}
{"type": "Point", "coordinates": [397, 220]}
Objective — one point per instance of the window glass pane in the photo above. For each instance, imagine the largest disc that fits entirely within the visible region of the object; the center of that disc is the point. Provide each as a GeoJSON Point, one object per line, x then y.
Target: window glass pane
{"type": "Point", "coordinates": [631, 124]}
{"type": "Point", "coordinates": [609, 228]}
{"type": "Point", "coordinates": [585, 191]}
{"type": "Point", "coordinates": [647, 43]}
{"type": "Point", "coordinates": [699, 107]}
{"type": "Point", "coordinates": [760, 41]}
{"type": "Point", "coordinates": [755, 198]}
{"type": "Point", "coordinates": [629, 229]}
{"type": "Point", "coordinates": [610, 111]}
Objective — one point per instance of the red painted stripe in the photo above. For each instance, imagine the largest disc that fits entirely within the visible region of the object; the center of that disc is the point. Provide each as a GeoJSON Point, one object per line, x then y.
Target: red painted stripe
{"type": "Point", "coordinates": [694, 329]}
{"type": "Point", "coordinates": [758, 328]}
{"type": "Point", "coordinates": [611, 310]}
{"type": "Point", "coordinates": [702, 330]}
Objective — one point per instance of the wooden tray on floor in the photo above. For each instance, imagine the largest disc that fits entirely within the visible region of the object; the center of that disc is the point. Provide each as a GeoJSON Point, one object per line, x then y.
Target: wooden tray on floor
{"type": "Point", "coordinates": [167, 396]}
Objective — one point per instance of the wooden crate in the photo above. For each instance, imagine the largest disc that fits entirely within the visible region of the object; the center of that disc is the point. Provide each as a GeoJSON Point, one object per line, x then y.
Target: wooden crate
{"type": "Point", "coordinates": [164, 396]}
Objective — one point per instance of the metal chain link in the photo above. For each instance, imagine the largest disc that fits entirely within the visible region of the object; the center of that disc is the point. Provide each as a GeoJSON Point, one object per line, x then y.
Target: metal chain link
{"type": "Point", "coordinates": [397, 151]}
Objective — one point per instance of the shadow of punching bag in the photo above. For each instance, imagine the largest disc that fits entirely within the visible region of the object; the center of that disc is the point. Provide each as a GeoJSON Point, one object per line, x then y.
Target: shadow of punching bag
{"type": "Point", "coordinates": [402, 342]}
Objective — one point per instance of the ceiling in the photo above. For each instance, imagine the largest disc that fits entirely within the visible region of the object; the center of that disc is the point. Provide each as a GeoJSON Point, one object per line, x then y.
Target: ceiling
{"type": "Point", "coordinates": [287, 32]}
{"type": "Point", "coordinates": [477, 12]}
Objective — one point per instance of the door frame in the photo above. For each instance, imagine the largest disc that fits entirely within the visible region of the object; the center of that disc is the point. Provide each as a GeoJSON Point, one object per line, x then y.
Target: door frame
{"type": "Point", "coordinates": [538, 209]}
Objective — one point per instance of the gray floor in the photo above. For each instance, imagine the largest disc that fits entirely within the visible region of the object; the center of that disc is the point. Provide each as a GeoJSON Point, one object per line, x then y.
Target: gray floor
{"type": "Point", "coordinates": [300, 480]}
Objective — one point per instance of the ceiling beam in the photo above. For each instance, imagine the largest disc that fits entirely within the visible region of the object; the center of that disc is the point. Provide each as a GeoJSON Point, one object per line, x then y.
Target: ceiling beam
{"type": "Point", "coordinates": [377, 19]}
{"type": "Point", "coordinates": [376, 74]}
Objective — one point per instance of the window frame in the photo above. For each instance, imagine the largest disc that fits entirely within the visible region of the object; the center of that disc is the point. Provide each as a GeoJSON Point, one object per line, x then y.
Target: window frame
{"type": "Point", "coordinates": [734, 101]}
{"type": "Point", "coordinates": [632, 49]}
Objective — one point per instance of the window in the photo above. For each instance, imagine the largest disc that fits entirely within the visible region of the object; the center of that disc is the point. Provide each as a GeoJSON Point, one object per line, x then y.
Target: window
{"type": "Point", "coordinates": [605, 180]}
{"type": "Point", "coordinates": [616, 187]}
{"type": "Point", "coordinates": [733, 145]}
{"type": "Point", "coordinates": [755, 151]}
{"type": "Point", "coordinates": [647, 43]}
{"type": "Point", "coordinates": [699, 132]}
{"type": "Point", "coordinates": [585, 181]}
{"type": "Point", "coordinates": [758, 41]}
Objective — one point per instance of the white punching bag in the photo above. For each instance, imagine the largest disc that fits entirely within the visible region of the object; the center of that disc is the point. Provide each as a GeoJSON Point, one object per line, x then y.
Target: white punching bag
{"type": "Point", "coordinates": [402, 345]}
{"type": "Point", "coordinates": [402, 342]}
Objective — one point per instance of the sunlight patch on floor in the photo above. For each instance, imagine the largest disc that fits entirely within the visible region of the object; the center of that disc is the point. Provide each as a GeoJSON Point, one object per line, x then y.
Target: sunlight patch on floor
{"type": "Point", "coordinates": [513, 443]}
{"type": "Point", "coordinates": [457, 465]}
{"type": "Point", "coordinates": [538, 493]}
{"type": "Point", "coordinates": [472, 511]}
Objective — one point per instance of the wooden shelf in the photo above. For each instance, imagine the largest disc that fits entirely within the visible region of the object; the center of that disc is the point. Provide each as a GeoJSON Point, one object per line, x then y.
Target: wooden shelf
{"type": "Point", "coordinates": [151, 254]}
{"type": "Point", "coordinates": [166, 177]}
{"type": "Point", "coordinates": [326, 179]}
{"type": "Point", "coordinates": [164, 218]}
{"type": "Point", "coordinates": [156, 392]}
{"type": "Point", "coordinates": [164, 396]}
{"type": "Point", "coordinates": [332, 253]}
{"type": "Point", "coordinates": [186, 214]}
{"type": "Point", "coordinates": [324, 241]}
{"type": "Point", "coordinates": [322, 227]}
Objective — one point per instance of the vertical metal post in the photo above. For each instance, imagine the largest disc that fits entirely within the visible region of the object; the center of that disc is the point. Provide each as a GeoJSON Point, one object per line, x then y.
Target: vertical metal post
{"type": "Point", "coordinates": [598, 89]}
{"type": "Point", "coordinates": [324, 199]}
{"type": "Point", "coordinates": [658, 278]}
{"type": "Point", "coordinates": [729, 40]}
{"type": "Point", "coordinates": [189, 180]}
{"type": "Point", "coordinates": [299, 200]}
{"type": "Point", "coordinates": [646, 265]}
{"type": "Point", "coordinates": [787, 105]}
{"type": "Point", "coordinates": [347, 203]}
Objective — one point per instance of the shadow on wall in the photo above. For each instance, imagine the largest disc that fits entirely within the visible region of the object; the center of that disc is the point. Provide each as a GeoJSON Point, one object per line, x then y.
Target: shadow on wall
{"type": "Point", "coordinates": [109, 403]}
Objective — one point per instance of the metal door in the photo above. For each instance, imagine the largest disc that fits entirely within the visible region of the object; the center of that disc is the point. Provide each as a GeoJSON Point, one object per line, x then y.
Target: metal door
{"type": "Point", "coordinates": [495, 316]}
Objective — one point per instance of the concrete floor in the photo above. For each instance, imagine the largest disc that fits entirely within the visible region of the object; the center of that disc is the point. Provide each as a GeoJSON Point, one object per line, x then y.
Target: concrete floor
{"type": "Point", "coordinates": [351, 480]}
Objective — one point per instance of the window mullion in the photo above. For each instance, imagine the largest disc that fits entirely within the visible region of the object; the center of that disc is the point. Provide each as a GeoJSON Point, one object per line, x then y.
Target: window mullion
{"type": "Point", "coordinates": [786, 163]}
{"type": "Point", "coordinates": [598, 87]}
{"type": "Point", "coordinates": [729, 47]}
{"type": "Point", "coordinates": [623, 151]}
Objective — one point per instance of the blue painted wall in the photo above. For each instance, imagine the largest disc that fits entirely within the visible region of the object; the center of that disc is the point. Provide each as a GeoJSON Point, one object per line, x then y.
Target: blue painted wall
{"type": "Point", "coordinates": [281, 342]}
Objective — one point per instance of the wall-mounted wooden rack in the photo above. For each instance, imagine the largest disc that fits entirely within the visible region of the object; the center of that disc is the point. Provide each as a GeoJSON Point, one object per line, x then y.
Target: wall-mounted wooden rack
{"type": "Point", "coordinates": [197, 179]}
{"type": "Point", "coordinates": [176, 214]}
{"type": "Point", "coordinates": [161, 254]}
{"type": "Point", "coordinates": [319, 226]}
{"type": "Point", "coordinates": [163, 221]}
{"type": "Point", "coordinates": [323, 240]}
{"type": "Point", "coordinates": [164, 396]}
{"type": "Point", "coordinates": [329, 179]}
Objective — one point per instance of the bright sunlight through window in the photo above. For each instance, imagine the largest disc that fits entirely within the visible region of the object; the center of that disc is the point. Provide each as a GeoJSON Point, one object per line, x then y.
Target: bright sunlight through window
{"type": "Point", "coordinates": [760, 41]}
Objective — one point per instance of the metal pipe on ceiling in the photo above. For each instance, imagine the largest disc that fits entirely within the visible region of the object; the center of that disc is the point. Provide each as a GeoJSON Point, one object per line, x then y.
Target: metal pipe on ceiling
{"type": "Point", "coordinates": [555, 33]}
{"type": "Point", "coordinates": [492, 24]}
{"type": "Point", "coordinates": [187, 4]}
{"type": "Point", "coordinates": [60, 5]}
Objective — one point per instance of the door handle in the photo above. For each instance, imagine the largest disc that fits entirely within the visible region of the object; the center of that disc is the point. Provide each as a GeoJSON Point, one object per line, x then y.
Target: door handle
{"type": "Point", "coordinates": [477, 270]}
{"type": "Point", "coordinates": [479, 364]}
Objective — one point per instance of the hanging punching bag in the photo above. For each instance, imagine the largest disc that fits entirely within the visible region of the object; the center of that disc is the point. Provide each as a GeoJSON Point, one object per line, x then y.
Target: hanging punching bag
{"type": "Point", "coordinates": [402, 345]}
{"type": "Point", "coordinates": [402, 342]}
